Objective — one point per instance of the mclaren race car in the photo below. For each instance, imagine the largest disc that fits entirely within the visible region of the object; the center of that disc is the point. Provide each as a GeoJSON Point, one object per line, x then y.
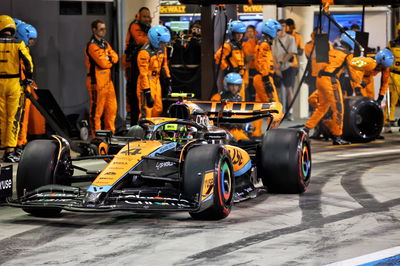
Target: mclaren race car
{"type": "Point", "coordinates": [186, 162]}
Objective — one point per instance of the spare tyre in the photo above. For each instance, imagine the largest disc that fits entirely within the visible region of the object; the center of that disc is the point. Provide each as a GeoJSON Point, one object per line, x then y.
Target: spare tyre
{"type": "Point", "coordinates": [363, 119]}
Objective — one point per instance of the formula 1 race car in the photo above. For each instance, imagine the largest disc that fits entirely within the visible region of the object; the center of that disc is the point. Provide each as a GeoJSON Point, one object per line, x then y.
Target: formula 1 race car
{"type": "Point", "coordinates": [187, 162]}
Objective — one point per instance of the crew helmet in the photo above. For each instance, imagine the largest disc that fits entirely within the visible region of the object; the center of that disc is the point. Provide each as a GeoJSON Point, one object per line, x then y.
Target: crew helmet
{"type": "Point", "coordinates": [384, 57]}
{"type": "Point", "coordinates": [17, 22]}
{"type": "Point", "coordinates": [232, 78]}
{"type": "Point", "coordinates": [348, 40]}
{"type": "Point", "coordinates": [158, 34]}
{"type": "Point", "coordinates": [236, 26]}
{"type": "Point", "coordinates": [271, 27]}
{"type": "Point", "coordinates": [26, 32]}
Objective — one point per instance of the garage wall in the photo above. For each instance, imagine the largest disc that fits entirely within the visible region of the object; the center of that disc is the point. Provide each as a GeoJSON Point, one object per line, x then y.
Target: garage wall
{"type": "Point", "coordinates": [59, 53]}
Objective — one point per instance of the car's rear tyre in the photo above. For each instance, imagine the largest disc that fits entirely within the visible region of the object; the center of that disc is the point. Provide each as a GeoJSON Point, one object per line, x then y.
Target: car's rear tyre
{"type": "Point", "coordinates": [206, 159]}
{"type": "Point", "coordinates": [285, 161]}
{"type": "Point", "coordinates": [37, 168]}
{"type": "Point", "coordinates": [362, 120]}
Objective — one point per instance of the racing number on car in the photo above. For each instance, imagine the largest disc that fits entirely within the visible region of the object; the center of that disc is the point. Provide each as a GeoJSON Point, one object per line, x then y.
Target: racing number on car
{"type": "Point", "coordinates": [237, 157]}
{"type": "Point", "coordinates": [132, 152]}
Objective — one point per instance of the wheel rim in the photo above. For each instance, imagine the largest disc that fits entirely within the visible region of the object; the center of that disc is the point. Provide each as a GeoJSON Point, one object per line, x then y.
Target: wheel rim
{"type": "Point", "coordinates": [305, 162]}
{"type": "Point", "coordinates": [224, 182]}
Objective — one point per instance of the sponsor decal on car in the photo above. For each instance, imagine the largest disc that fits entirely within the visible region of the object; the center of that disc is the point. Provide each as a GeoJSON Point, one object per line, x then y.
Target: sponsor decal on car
{"type": "Point", "coordinates": [6, 181]}
{"type": "Point", "coordinates": [240, 160]}
{"type": "Point", "coordinates": [208, 186]}
{"type": "Point", "coordinates": [130, 155]}
{"type": "Point", "coordinates": [160, 165]}
{"type": "Point", "coordinates": [147, 203]}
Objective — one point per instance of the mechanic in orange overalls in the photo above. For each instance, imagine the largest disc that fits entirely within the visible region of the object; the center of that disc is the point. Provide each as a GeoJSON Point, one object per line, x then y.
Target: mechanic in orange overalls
{"type": "Point", "coordinates": [264, 61]}
{"type": "Point", "coordinates": [136, 37]}
{"type": "Point", "coordinates": [100, 58]}
{"type": "Point", "coordinates": [384, 59]}
{"type": "Point", "coordinates": [249, 50]}
{"type": "Point", "coordinates": [230, 56]}
{"type": "Point", "coordinates": [13, 53]}
{"type": "Point", "coordinates": [152, 58]}
{"type": "Point", "coordinates": [231, 93]}
{"type": "Point", "coordinates": [310, 53]}
{"type": "Point", "coordinates": [28, 34]}
{"type": "Point", "coordinates": [329, 90]}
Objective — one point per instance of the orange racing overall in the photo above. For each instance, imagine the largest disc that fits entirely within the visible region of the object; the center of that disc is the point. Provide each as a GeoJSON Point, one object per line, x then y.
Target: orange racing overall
{"type": "Point", "coordinates": [263, 82]}
{"type": "Point", "coordinates": [136, 37]}
{"type": "Point", "coordinates": [368, 78]}
{"type": "Point", "coordinates": [315, 69]}
{"type": "Point", "coordinates": [100, 57]}
{"type": "Point", "coordinates": [329, 91]}
{"type": "Point", "coordinates": [150, 62]}
{"type": "Point", "coordinates": [232, 61]}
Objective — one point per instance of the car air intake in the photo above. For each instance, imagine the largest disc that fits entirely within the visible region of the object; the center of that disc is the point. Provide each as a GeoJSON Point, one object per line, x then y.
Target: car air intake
{"type": "Point", "coordinates": [179, 111]}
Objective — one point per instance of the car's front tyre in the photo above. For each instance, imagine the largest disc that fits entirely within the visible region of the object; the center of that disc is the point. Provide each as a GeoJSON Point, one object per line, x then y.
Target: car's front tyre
{"type": "Point", "coordinates": [285, 161]}
{"type": "Point", "coordinates": [213, 161]}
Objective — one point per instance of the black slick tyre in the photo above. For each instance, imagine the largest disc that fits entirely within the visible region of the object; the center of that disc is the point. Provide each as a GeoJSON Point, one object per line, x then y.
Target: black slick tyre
{"type": "Point", "coordinates": [37, 168]}
{"type": "Point", "coordinates": [362, 119]}
{"type": "Point", "coordinates": [285, 161]}
{"type": "Point", "coordinates": [212, 160]}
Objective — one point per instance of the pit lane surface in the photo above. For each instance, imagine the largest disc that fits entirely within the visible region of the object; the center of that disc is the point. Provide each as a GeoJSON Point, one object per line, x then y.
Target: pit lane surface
{"type": "Point", "coordinates": [351, 209]}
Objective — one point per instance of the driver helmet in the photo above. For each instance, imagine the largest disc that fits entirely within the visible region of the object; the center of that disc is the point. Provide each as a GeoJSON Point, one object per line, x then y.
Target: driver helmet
{"type": "Point", "coordinates": [174, 132]}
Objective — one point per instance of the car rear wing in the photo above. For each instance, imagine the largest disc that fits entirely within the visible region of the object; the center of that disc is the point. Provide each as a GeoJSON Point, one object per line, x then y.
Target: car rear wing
{"type": "Point", "coordinates": [235, 108]}
{"type": "Point", "coordinates": [236, 112]}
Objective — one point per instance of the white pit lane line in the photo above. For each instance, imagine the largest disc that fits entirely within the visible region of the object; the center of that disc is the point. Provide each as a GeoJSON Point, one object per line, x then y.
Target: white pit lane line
{"type": "Point", "coordinates": [359, 154]}
{"type": "Point", "coordinates": [373, 257]}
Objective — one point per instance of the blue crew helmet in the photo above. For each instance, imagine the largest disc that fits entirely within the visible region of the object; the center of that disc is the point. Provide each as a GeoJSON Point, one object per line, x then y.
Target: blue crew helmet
{"type": "Point", "coordinates": [158, 34]}
{"type": "Point", "coordinates": [346, 38]}
{"type": "Point", "coordinates": [271, 27]}
{"type": "Point", "coordinates": [236, 26]}
{"type": "Point", "coordinates": [384, 57]}
{"type": "Point", "coordinates": [232, 78]}
{"type": "Point", "coordinates": [25, 32]}
{"type": "Point", "coordinates": [18, 22]}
